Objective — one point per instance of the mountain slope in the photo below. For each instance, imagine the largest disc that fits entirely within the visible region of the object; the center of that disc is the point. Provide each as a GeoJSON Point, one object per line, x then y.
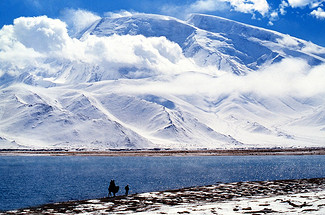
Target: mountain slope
{"type": "Point", "coordinates": [151, 81]}
{"type": "Point", "coordinates": [256, 45]}
{"type": "Point", "coordinates": [80, 119]}
{"type": "Point", "coordinates": [212, 40]}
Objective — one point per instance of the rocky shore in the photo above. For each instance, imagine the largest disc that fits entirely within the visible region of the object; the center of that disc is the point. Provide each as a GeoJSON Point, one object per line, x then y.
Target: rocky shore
{"type": "Point", "coordinates": [165, 152]}
{"type": "Point", "coordinates": [303, 196]}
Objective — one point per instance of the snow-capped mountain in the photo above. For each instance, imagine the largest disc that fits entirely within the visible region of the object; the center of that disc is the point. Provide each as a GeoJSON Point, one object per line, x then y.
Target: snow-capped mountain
{"type": "Point", "coordinates": [151, 81]}
{"type": "Point", "coordinates": [212, 40]}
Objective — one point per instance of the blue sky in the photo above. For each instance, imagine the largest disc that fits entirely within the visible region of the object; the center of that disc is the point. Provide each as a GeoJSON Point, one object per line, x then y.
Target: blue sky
{"type": "Point", "coordinates": [304, 19]}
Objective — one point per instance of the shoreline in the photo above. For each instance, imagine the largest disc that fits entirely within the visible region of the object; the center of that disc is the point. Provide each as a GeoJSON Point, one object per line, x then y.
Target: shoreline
{"type": "Point", "coordinates": [253, 197]}
{"type": "Point", "coordinates": [166, 152]}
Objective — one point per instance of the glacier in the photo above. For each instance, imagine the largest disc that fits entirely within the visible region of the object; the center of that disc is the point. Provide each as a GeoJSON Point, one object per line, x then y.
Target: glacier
{"type": "Point", "coordinates": [143, 81]}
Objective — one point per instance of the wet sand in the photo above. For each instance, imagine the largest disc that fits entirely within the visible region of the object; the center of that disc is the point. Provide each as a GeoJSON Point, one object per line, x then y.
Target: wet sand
{"type": "Point", "coordinates": [303, 196]}
{"type": "Point", "coordinates": [167, 152]}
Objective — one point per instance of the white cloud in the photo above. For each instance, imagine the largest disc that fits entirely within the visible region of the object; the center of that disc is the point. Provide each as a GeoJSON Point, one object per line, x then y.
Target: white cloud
{"type": "Point", "coordinates": [201, 6]}
{"type": "Point", "coordinates": [291, 77]}
{"type": "Point", "coordinates": [78, 20]}
{"type": "Point", "coordinates": [245, 6]}
{"type": "Point", "coordinates": [298, 3]}
{"type": "Point", "coordinates": [11, 50]}
{"type": "Point", "coordinates": [250, 6]}
{"type": "Point", "coordinates": [40, 38]}
{"type": "Point", "coordinates": [303, 3]}
{"type": "Point", "coordinates": [274, 15]}
{"type": "Point", "coordinates": [41, 33]}
{"type": "Point", "coordinates": [319, 13]}
{"type": "Point", "coordinates": [282, 7]}
{"type": "Point", "coordinates": [155, 54]}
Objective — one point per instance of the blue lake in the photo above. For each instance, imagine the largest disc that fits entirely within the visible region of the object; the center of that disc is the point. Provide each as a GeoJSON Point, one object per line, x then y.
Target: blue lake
{"type": "Point", "coordinates": [33, 180]}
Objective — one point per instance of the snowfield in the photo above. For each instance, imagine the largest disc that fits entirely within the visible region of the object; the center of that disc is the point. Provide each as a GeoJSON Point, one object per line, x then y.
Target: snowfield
{"type": "Point", "coordinates": [139, 81]}
{"type": "Point", "coordinates": [302, 203]}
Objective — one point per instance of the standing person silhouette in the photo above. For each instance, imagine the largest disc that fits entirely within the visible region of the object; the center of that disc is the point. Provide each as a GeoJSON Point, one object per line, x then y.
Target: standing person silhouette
{"type": "Point", "coordinates": [127, 188]}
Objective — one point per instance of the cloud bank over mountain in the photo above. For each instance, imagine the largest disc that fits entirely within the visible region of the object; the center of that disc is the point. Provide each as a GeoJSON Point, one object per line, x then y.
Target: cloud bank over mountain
{"type": "Point", "coordinates": [143, 81]}
{"type": "Point", "coordinates": [35, 39]}
{"type": "Point", "coordinates": [39, 38]}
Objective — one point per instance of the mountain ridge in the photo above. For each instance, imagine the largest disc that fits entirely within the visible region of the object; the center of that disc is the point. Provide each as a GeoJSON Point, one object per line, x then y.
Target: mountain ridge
{"type": "Point", "coordinates": [194, 26]}
{"type": "Point", "coordinates": [150, 81]}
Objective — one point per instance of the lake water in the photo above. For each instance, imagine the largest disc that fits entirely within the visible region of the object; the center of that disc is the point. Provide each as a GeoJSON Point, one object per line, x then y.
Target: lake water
{"type": "Point", "coordinates": [33, 180]}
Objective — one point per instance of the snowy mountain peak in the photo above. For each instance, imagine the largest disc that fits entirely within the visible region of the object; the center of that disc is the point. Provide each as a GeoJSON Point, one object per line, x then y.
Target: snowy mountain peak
{"type": "Point", "coordinates": [148, 25]}
{"type": "Point", "coordinates": [211, 40]}
{"type": "Point", "coordinates": [226, 26]}
{"type": "Point", "coordinates": [152, 81]}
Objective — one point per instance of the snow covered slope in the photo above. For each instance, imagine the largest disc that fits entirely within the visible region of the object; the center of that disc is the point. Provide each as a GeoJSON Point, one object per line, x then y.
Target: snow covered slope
{"type": "Point", "coordinates": [212, 40]}
{"type": "Point", "coordinates": [151, 81]}
{"type": "Point", "coordinates": [255, 46]}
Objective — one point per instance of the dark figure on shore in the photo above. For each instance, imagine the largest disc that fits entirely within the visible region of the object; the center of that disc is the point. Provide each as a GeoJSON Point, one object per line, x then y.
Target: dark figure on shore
{"type": "Point", "coordinates": [127, 188]}
{"type": "Point", "coordinates": [112, 188]}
